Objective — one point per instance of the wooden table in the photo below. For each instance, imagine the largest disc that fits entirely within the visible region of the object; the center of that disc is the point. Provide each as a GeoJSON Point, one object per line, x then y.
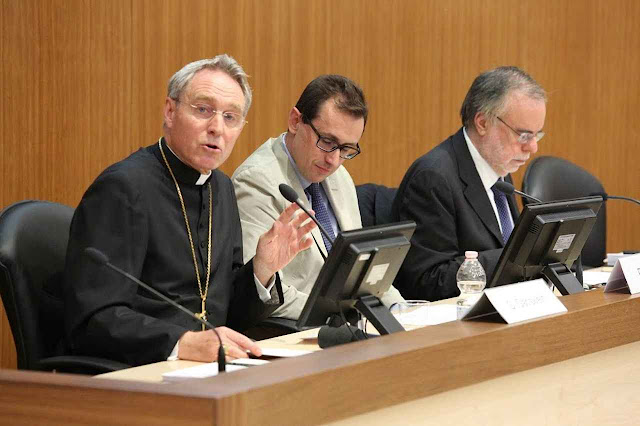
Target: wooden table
{"type": "Point", "coordinates": [552, 369]}
{"type": "Point", "coordinates": [304, 340]}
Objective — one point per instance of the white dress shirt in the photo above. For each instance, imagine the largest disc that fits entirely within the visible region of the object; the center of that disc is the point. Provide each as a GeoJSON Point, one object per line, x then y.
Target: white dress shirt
{"type": "Point", "coordinates": [488, 176]}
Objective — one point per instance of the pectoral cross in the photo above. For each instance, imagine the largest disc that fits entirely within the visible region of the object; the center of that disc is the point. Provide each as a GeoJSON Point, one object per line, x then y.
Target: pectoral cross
{"type": "Point", "coordinates": [203, 315]}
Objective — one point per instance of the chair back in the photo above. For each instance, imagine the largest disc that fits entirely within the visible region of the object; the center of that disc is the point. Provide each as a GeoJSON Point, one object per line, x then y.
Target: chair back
{"type": "Point", "coordinates": [374, 202]}
{"type": "Point", "coordinates": [33, 245]}
{"type": "Point", "coordinates": [551, 179]}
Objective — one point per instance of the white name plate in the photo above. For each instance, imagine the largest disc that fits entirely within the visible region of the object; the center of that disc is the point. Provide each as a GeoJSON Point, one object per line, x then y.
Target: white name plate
{"type": "Point", "coordinates": [517, 302]}
{"type": "Point", "coordinates": [625, 276]}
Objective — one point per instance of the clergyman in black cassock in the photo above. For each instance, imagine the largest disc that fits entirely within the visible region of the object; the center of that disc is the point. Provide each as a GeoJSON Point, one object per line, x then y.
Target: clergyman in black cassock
{"type": "Point", "coordinates": [131, 213]}
{"type": "Point", "coordinates": [167, 216]}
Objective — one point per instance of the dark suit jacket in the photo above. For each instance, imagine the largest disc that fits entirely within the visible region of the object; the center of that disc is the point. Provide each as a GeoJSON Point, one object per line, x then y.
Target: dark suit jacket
{"type": "Point", "coordinates": [132, 213]}
{"type": "Point", "coordinates": [442, 192]}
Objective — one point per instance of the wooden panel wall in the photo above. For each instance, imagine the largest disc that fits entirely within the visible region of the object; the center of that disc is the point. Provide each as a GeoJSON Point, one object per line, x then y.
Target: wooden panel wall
{"type": "Point", "coordinates": [83, 82]}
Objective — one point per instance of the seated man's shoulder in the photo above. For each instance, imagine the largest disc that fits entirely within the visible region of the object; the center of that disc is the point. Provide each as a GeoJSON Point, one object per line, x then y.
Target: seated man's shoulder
{"type": "Point", "coordinates": [441, 157]}
{"type": "Point", "coordinates": [132, 170]}
{"type": "Point", "coordinates": [434, 172]}
{"type": "Point", "coordinates": [343, 173]}
{"type": "Point", "coordinates": [342, 181]}
{"type": "Point", "coordinates": [259, 165]}
{"type": "Point", "coordinates": [433, 168]}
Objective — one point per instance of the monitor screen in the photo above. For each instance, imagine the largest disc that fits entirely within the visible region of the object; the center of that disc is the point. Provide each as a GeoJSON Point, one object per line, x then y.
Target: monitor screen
{"type": "Point", "coordinates": [546, 241]}
{"type": "Point", "coordinates": [361, 264]}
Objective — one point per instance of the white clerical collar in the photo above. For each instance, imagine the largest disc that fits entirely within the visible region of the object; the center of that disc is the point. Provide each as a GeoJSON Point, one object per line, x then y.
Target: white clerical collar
{"type": "Point", "coordinates": [488, 176]}
{"type": "Point", "coordinates": [202, 179]}
{"type": "Point", "coordinates": [305, 183]}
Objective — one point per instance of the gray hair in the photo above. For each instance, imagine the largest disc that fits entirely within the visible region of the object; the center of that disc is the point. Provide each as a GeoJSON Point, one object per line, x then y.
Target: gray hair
{"type": "Point", "coordinates": [489, 92]}
{"type": "Point", "coordinates": [224, 62]}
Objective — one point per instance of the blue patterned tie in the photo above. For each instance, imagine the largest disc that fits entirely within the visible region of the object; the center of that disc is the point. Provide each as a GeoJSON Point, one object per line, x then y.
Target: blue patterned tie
{"type": "Point", "coordinates": [322, 214]}
{"type": "Point", "coordinates": [503, 213]}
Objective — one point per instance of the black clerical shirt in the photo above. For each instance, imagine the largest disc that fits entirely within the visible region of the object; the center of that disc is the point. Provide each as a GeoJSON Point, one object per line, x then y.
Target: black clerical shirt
{"type": "Point", "coordinates": [132, 213]}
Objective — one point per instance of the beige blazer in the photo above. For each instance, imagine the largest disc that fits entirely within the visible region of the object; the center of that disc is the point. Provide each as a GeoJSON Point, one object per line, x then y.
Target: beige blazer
{"type": "Point", "coordinates": [260, 203]}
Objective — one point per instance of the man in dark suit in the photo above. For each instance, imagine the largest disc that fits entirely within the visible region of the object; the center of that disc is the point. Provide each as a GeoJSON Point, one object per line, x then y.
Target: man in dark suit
{"type": "Point", "coordinates": [448, 191]}
{"type": "Point", "coordinates": [168, 216]}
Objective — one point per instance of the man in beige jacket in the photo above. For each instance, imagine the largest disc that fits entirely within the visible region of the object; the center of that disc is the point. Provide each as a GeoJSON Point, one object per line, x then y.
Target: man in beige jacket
{"type": "Point", "coordinates": [324, 130]}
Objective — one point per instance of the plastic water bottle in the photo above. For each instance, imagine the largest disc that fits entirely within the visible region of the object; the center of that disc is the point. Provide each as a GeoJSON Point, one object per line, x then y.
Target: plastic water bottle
{"type": "Point", "coordinates": [471, 280]}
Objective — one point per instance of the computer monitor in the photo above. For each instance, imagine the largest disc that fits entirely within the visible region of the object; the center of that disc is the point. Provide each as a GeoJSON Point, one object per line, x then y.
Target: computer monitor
{"type": "Point", "coordinates": [361, 266]}
{"type": "Point", "coordinates": [546, 241]}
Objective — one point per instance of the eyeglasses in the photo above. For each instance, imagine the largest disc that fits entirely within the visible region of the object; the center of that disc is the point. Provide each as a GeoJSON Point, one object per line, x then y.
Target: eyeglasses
{"type": "Point", "coordinates": [524, 137]}
{"type": "Point", "coordinates": [327, 145]}
{"type": "Point", "coordinates": [230, 119]}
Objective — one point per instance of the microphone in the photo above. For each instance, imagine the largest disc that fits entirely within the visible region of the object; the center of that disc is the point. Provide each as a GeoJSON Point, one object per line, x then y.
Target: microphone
{"type": "Point", "coordinates": [101, 259]}
{"type": "Point", "coordinates": [329, 335]}
{"type": "Point", "coordinates": [606, 197]}
{"type": "Point", "coordinates": [509, 189]}
{"type": "Point", "coordinates": [291, 195]}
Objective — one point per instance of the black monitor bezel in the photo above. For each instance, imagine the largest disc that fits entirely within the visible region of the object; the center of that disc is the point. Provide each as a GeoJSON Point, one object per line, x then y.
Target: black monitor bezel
{"type": "Point", "coordinates": [503, 276]}
{"type": "Point", "coordinates": [325, 284]}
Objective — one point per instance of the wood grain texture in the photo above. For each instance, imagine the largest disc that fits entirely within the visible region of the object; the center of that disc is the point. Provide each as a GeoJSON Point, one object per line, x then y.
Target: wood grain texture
{"type": "Point", "coordinates": [592, 390]}
{"type": "Point", "coordinates": [347, 380]}
{"type": "Point", "coordinates": [434, 359]}
{"type": "Point", "coordinates": [83, 82]}
{"type": "Point", "coordinates": [52, 400]}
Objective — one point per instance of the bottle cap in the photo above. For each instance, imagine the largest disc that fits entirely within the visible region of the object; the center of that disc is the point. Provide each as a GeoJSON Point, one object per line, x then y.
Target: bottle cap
{"type": "Point", "coordinates": [471, 254]}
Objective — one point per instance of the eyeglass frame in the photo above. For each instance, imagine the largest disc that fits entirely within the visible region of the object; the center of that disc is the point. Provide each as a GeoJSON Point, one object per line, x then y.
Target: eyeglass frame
{"type": "Point", "coordinates": [336, 145]}
{"type": "Point", "coordinates": [523, 137]}
{"type": "Point", "coordinates": [216, 112]}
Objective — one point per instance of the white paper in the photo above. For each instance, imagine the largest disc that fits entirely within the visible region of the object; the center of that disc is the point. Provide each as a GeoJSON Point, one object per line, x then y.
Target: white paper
{"type": "Point", "coordinates": [524, 301]}
{"type": "Point", "coordinates": [249, 362]}
{"type": "Point", "coordinates": [428, 315]}
{"type": "Point", "coordinates": [631, 268]}
{"type": "Point", "coordinates": [595, 277]}
{"type": "Point", "coordinates": [283, 353]}
{"type": "Point", "coordinates": [625, 275]}
{"type": "Point", "coordinates": [517, 302]}
{"type": "Point", "coordinates": [198, 372]}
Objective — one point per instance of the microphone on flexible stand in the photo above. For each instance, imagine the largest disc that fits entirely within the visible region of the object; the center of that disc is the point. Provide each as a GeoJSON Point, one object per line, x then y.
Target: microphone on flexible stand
{"type": "Point", "coordinates": [509, 189]}
{"type": "Point", "coordinates": [606, 197]}
{"type": "Point", "coordinates": [103, 260]}
{"type": "Point", "coordinates": [329, 335]}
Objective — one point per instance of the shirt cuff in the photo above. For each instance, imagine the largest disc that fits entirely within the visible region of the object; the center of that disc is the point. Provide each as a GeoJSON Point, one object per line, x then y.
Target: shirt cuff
{"type": "Point", "coordinates": [264, 293]}
{"type": "Point", "coordinates": [173, 356]}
